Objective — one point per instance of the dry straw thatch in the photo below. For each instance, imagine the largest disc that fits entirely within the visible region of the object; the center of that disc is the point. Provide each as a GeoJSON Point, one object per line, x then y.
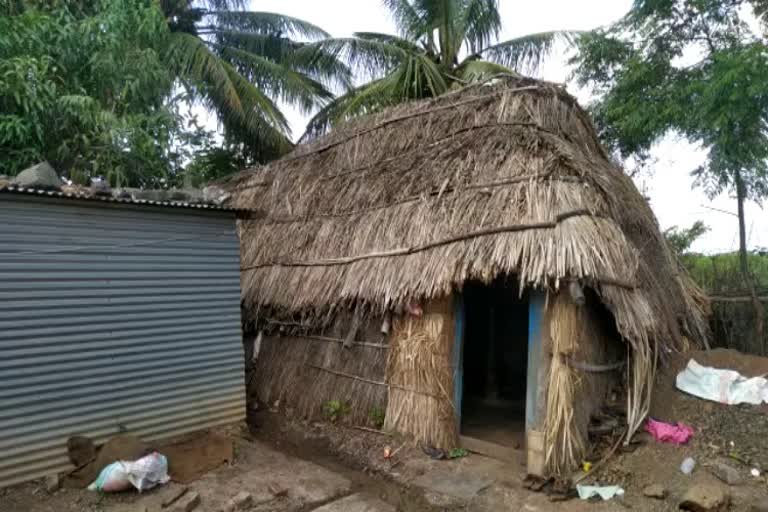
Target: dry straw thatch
{"type": "Point", "coordinates": [420, 398]}
{"type": "Point", "coordinates": [507, 178]}
{"type": "Point", "coordinates": [576, 334]}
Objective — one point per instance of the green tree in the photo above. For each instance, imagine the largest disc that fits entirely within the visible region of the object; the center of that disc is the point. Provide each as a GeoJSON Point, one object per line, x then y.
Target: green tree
{"type": "Point", "coordinates": [680, 240]}
{"type": "Point", "coordinates": [239, 63]}
{"type": "Point", "coordinates": [690, 67]}
{"type": "Point", "coordinates": [441, 44]}
{"type": "Point", "coordinates": [82, 85]}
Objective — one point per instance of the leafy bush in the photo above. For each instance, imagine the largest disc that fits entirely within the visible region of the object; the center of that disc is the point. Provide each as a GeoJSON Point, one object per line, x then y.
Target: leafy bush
{"type": "Point", "coordinates": [720, 272]}
{"type": "Point", "coordinates": [376, 415]}
{"type": "Point", "coordinates": [334, 410]}
{"type": "Point", "coordinates": [457, 453]}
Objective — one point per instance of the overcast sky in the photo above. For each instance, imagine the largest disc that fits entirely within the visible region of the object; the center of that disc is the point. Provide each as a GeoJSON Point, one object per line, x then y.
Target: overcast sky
{"type": "Point", "coordinates": [669, 186]}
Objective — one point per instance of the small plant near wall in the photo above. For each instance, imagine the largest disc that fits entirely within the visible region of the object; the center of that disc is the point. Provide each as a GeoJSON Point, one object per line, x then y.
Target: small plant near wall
{"type": "Point", "coordinates": [457, 453]}
{"type": "Point", "coordinates": [376, 416]}
{"type": "Point", "coordinates": [334, 410]}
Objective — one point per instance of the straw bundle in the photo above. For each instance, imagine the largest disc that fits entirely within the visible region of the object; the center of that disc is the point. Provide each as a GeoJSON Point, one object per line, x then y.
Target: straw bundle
{"type": "Point", "coordinates": [420, 375]}
{"type": "Point", "coordinates": [577, 334]}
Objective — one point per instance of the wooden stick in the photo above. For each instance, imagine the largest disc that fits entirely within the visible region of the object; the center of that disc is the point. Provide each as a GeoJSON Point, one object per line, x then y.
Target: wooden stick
{"type": "Point", "coordinates": [328, 339]}
{"type": "Point", "coordinates": [403, 251]}
{"type": "Point", "coordinates": [738, 298]}
{"type": "Point", "coordinates": [371, 430]}
{"type": "Point", "coordinates": [348, 375]}
{"type": "Point", "coordinates": [374, 382]}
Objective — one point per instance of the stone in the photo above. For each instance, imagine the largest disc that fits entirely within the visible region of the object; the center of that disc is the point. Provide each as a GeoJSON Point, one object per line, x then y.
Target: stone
{"type": "Point", "coordinates": [215, 195]}
{"type": "Point", "coordinates": [705, 498]}
{"type": "Point", "coordinates": [52, 483]}
{"type": "Point", "coordinates": [187, 503]}
{"type": "Point", "coordinates": [242, 501]}
{"type": "Point", "coordinates": [173, 495]}
{"type": "Point", "coordinates": [358, 503]}
{"type": "Point", "coordinates": [277, 491]}
{"type": "Point", "coordinates": [40, 176]}
{"type": "Point", "coordinates": [760, 506]}
{"type": "Point", "coordinates": [656, 491]}
{"type": "Point", "coordinates": [726, 473]}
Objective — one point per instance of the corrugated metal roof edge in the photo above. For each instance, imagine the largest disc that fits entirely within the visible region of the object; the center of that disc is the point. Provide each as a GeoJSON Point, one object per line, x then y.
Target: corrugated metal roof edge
{"type": "Point", "coordinates": [55, 194]}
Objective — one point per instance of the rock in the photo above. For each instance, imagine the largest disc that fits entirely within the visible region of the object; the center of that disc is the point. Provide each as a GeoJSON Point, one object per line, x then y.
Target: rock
{"type": "Point", "coordinates": [656, 491]}
{"type": "Point", "coordinates": [187, 503]}
{"type": "Point", "coordinates": [705, 498]}
{"type": "Point", "coordinates": [242, 501]}
{"type": "Point", "coordinates": [41, 176]}
{"type": "Point", "coordinates": [277, 491]}
{"type": "Point", "coordinates": [760, 506]}
{"type": "Point", "coordinates": [80, 450]}
{"type": "Point", "coordinates": [52, 483]}
{"type": "Point", "coordinates": [173, 495]}
{"type": "Point", "coordinates": [215, 195]}
{"type": "Point", "coordinates": [726, 473]}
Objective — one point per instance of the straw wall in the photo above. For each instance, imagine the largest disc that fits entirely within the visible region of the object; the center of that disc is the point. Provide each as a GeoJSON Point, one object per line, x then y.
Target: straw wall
{"type": "Point", "coordinates": [420, 373]}
{"type": "Point", "coordinates": [584, 335]}
{"type": "Point", "coordinates": [305, 371]}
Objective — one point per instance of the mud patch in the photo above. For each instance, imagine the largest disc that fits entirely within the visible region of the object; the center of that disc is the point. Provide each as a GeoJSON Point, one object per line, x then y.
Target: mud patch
{"type": "Point", "coordinates": [191, 459]}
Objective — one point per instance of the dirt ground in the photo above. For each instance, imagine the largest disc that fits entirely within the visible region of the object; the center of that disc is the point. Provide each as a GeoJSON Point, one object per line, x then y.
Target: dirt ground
{"type": "Point", "coordinates": [301, 466]}
{"type": "Point", "coordinates": [734, 434]}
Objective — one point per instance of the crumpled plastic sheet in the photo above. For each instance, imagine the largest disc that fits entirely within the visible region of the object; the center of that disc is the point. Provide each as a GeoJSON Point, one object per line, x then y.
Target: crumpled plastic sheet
{"type": "Point", "coordinates": [668, 433]}
{"type": "Point", "coordinates": [144, 473]}
{"type": "Point", "coordinates": [724, 386]}
{"type": "Point", "coordinates": [606, 492]}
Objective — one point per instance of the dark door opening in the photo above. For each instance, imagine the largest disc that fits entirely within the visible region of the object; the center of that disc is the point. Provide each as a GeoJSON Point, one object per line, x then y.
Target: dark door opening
{"type": "Point", "coordinates": [495, 362]}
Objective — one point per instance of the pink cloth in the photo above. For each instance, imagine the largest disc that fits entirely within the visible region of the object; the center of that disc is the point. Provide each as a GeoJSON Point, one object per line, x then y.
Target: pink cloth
{"type": "Point", "coordinates": [668, 433]}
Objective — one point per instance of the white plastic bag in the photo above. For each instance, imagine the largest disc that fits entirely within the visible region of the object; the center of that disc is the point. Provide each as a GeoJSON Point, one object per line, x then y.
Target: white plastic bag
{"type": "Point", "coordinates": [724, 386]}
{"type": "Point", "coordinates": [143, 474]}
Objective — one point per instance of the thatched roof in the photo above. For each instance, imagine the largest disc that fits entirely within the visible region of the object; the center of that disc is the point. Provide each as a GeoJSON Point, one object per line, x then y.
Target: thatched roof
{"type": "Point", "coordinates": [495, 179]}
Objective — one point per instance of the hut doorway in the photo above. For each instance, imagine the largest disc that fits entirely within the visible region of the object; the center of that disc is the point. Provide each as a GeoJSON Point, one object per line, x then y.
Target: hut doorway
{"type": "Point", "coordinates": [493, 364]}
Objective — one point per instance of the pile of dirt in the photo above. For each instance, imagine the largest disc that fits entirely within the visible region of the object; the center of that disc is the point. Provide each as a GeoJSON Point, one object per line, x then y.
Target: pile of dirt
{"type": "Point", "coordinates": [189, 458]}
{"type": "Point", "coordinates": [735, 434]}
{"type": "Point", "coordinates": [734, 431]}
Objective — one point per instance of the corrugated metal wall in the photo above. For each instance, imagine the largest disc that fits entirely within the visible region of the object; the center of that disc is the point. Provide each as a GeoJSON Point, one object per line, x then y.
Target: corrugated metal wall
{"type": "Point", "coordinates": [113, 318]}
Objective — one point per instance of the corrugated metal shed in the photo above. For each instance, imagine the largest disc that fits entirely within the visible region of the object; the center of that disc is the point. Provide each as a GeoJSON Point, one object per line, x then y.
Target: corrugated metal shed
{"type": "Point", "coordinates": [113, 317]}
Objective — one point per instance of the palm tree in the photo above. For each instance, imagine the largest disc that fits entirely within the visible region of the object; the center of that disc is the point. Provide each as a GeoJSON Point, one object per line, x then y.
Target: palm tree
{"type": "Point", "coordinates": [240, 63]}
{"type": "Point", "coordinates": [441, 44]}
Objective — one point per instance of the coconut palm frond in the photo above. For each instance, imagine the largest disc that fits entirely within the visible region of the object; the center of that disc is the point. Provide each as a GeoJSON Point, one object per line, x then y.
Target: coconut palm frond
{"type": "Point", "coordinates": [418, 77]}
{"type": "Point", "coordinates": [477, 70]}
{"type": "Point", "coordinates": [400, 42]}
{"type": "Point", "coordinates": [408, 21]}
{"type": "Point", "coordinates": [276, 80]}
{"type": "Point", "coordinates": [368, 56]}
{"type": "Point", "coordinates": [195, 63]}
{"type": "Point", "coordinates": [366, 99]}
{"type": "Point", "coordinates": [259, 119]}
{"type": "Point", "coordinates": [526, 53]}
{"type": "Point", "coordinates": [320, 64]}
{"type": "Point", "coordinates": [480, 23]}
{"type": "Point", "coordinates": [266, 23]}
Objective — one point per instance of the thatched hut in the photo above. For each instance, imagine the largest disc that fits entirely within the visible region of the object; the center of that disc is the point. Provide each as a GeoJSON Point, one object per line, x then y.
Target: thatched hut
{"type": "Point", "coordinates": [468, 265]}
